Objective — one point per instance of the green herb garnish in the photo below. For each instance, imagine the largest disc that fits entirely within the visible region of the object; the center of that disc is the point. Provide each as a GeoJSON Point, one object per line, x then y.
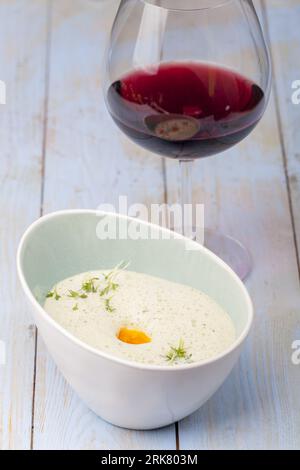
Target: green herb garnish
{"type": "Point", "coordinates": [178, 353]}
{"type": "Point", "coordinates": [108, 305]}
{"type": "Point", "coordinates": [111, 285]}
{"type": "Point", "coordinates": [75, 295]}
{"type": "Point", "coordinates": [89, 286]}
{"type": "Point", "coordinates": [105, 291]}
{"type": "Point", "coordinates": [53, 293]}
{"type": "Point", "coordinates": [57, 296]}
{"type": "Point", "coordinates": [120, 267]}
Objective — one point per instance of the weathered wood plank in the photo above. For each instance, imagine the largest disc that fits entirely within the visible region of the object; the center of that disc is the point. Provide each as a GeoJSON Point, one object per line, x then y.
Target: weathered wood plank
{"type": "Point", "coordinates": [283, 29]}
{"type": "Point", "coordinates": [88, 162]}
{"type": "Point", "coordinates": [22, 67]}
{"type": "Point", "coordinates": [245, 195]}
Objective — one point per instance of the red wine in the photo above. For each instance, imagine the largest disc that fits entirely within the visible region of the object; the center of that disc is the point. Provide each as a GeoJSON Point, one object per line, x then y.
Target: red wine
{"type": "Point", "coordinates": [186, 110]}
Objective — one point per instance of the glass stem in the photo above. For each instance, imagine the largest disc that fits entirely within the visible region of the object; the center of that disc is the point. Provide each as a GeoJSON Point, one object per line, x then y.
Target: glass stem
{"type": "Point", "coordinates": [186, 167]}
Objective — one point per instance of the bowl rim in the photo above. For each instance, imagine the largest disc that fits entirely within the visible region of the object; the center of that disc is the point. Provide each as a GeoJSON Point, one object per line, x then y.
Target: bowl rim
{"type": "Point", "coordinates": [104, 355]}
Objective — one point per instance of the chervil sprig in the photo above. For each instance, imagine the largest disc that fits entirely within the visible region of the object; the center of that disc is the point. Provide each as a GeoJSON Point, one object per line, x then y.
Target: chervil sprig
{"type": "Point", "coordinates": [89, 286]}
{"type": "Point", "coordinates": [108, 305]}
{"type": "Point", "coordinates": [178, 352]}
{"type": "Point", "coordinates": [111, 285]}
{"type": "Point", "coordinates": [75, 295]}
{"type": "Point", "coordinates": [105, 287]}
{"type": "Point", "coordinates": [53, 294]}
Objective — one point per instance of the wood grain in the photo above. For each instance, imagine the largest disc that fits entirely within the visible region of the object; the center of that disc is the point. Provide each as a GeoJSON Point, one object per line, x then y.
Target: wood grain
{"type": "Point", "coordinates": [59, 149]}
{"type": "Point", "coordinates": [284, 33]}
{"type": "Point", "coordinates": [246, 196]}
{"type": "Point", "coordinates": [22, 67]}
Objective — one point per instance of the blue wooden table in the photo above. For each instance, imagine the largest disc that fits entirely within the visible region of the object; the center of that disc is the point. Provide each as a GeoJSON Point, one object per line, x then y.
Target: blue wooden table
{"type": "Point", "coordinates": [60, 149]}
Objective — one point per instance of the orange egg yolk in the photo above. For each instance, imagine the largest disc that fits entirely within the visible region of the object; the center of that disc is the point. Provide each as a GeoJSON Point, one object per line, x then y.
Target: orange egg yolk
{"type": "Point", "coordinates": [133, 336]}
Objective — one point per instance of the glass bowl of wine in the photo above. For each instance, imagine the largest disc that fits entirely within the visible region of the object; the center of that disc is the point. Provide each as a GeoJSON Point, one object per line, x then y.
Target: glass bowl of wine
{"type": "Point", "coordinates": [188, 80]}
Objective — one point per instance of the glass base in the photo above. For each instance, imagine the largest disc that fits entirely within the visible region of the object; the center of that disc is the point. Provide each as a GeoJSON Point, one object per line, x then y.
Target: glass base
{"type": "Point", "coordinates": [231, 251]}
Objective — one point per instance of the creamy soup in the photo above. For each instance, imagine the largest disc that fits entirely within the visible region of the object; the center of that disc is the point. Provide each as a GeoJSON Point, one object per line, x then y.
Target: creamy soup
{"type": "Point", "coordinates": [141, 318]}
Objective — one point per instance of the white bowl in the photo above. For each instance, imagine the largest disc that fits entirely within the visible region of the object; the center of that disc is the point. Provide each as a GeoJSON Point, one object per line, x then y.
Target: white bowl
{"type": "Point", "coordinates": [127, 394]}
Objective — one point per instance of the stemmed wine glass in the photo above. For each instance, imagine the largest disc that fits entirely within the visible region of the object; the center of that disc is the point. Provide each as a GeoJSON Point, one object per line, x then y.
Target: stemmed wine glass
{"type": "Point", "coordinates": [186, 80]}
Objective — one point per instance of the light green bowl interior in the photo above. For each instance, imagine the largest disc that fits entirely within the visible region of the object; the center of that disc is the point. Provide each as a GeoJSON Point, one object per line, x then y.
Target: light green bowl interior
{"type": "Point", "coordinates": [66, 244]}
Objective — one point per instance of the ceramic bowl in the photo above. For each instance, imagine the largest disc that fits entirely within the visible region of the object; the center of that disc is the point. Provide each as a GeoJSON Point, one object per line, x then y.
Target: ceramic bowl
{"type": "Point", "coordinates": [127, 394]}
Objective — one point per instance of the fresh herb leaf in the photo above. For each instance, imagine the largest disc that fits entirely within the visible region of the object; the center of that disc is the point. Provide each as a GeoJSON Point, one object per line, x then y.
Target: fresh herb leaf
{"type": "Point", "coordinates": [75, 308]}
{"type": "Point", "coordinates": [120, 267]}
{"type": "Point", "coordinates": [54, 294]}
{"type": "Point", "coordinates": [57, 296]}
{"type": "Point", "coordinates": [178, 353]}
{"type": "Point", "coordinates": [89, 286]}
{"type": "Point", "coordinates": [105, 291]}
{"type": "Point", "coordinates": [109, 278]}
{"type": "Point", "coordinates": [108, 305]}
{"type": "Point", "coordinates": [73, 294]}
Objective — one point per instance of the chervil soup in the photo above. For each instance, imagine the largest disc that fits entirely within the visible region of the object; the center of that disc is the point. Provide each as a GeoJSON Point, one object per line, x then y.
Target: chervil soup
{"type": "Point", "coordinates": [141, 318]}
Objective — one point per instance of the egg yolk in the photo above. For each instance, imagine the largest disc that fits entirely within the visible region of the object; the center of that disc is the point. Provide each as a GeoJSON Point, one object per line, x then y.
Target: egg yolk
{"type": "Point", "coordinates": [133, 336]}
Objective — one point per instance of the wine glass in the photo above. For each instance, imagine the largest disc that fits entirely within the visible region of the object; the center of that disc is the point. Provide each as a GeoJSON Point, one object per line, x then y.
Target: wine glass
{"type": "Point", "coordinates": [186, 80]}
